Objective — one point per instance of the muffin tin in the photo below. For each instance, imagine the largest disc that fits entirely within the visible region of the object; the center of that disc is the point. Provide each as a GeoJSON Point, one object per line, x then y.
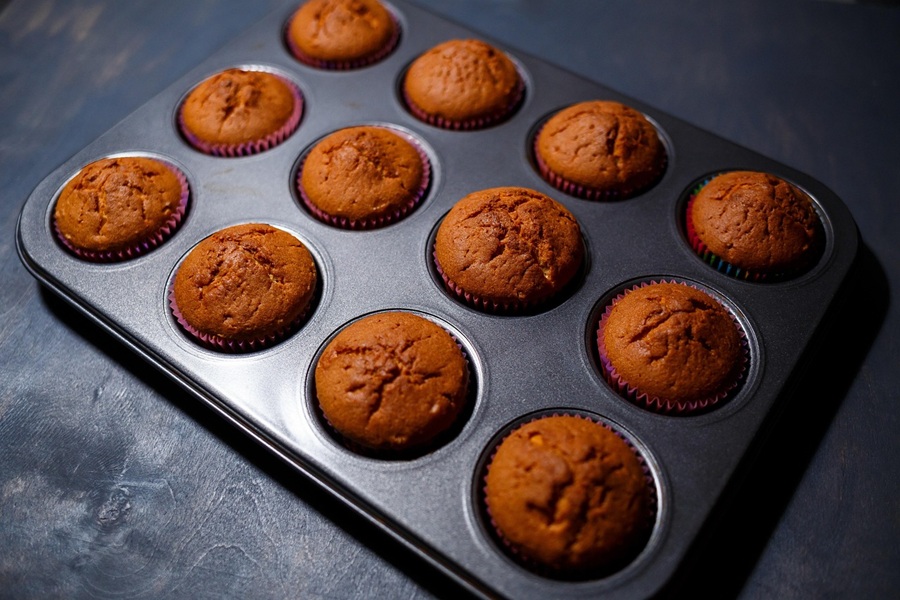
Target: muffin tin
{"type": "Point", "coordinates": [543, 361]}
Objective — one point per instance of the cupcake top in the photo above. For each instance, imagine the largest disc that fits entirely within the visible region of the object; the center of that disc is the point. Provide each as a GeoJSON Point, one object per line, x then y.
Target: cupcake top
{"type": "Point", "coordinates": [675, 346]}
{"type": "Point", "coordinates": [363, 177]}
{"type": "Point", "coordinates": [568, 495]}
{"type": "Point", "coordinates": [115, 208]}
{"type": "Point", "coordinates": [462, 84]}
{"type": "Point", "coordinates": [508, 247]}
{"type": "Point", "coordinates": [600, 149]}
{"type": "Point", "coordinates": [392, 381]}
{"type": "Point", "coordinates": [244, 287]}
{"type": "Point", "coordinates": [342, 34]}
{"type": "Point", "coordinates": [239, 112]}
{"type": "Point", "coordinates": [756, 222]}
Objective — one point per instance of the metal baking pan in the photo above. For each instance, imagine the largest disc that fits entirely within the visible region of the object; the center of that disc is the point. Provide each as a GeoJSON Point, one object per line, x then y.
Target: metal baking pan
{"type": "Point", "coordinates": [521, 364]}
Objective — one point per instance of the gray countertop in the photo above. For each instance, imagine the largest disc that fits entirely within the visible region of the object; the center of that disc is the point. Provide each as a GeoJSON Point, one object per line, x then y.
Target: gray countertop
{"type": "Point", "coordinates": [115, 483]}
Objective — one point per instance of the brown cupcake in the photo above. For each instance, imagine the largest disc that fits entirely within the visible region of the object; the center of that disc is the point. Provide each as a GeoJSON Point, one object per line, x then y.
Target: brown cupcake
{"type": "Point", "coordinates": [671, 348]}
{"type": "Point", "coordinates": [363, 177]}
{"type": "Point", "coordinates": [599, 149]}
{"type": "Point", "coordinates": [508, 248]}
{"type": "Point", "coordinates": [342, 34]}
{"type": "Point", "coordinates": [569, 497]}
{"type": "Point", "coordinates": [462, 84]}
{"type": "Point", "coordinates": [239, 112]}
{"type": "Point", "coordinates": [392, 381]}
{"type": "Point", "coordinates": [119, 208]}
{"type": "Point", "coordinates": [754, 225]}
{"type": "Point", "coordinates": [244, 288]}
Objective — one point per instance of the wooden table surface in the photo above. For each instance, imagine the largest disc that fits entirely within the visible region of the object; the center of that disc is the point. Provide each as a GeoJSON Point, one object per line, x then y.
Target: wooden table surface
{"type": "Point", "coordinates": [116, 484]}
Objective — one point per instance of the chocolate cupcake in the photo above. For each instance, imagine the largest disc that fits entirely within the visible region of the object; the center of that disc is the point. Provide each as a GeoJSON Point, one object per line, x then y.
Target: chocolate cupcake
{"type": "Point", "coordinates": [463, 84]}
{"type": "Point", "coordinates": [240, 112]}
{"type": "Point", "coordinates": [392, 382]}
{"type": "Point", "coordinates": [508, 249]}
{"type": "Point", "coordinates": [671, 348]}
{"type": "Point", "coordinates": [363, 177]}
{"type": "Point", "coordinates": [754, 226]}
{"type": "Point", "coordinates": [599, 150]}
{"type": "Point", "coordinates": [569, 497]}
{"type": "Point", "coordinates": [119, 208]}
{"type": "Point", "coordinates": [342, 34]}
{"type": "Point", "coordinates": [244, 288]}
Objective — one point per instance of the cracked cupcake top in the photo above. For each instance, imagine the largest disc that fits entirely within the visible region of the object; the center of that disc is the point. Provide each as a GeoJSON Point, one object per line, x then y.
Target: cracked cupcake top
{"type": "Point", "coordinates": [569, 495]}
{"type": "Point", "coordinates": [756, 221]}
{"type": "Point", "coordinates": [673, 342]}
{"type": "Point", "coordinates": [462, 84]}
{"type": "Point", "coordinates": [600, 148]}
{"type": "Point", "coordinates": [115, 205]}
{"type": "Point", "coordinates": [341, 33]}
{"type": "Point", "coordinates": [238, 107]}
{"type": "Point", "coordinates": [245, 283]}
{"type": "Point", "coordinates": [509, 246]}
{"type": "Point", "coordinates": [363, 174]}
{"type": "Point", "coordinates": [392, 381]}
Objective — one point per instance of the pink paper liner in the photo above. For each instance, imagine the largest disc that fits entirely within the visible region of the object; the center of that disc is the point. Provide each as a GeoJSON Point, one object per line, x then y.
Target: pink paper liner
{"type": "Point", "coordinates": [418, 449]}
{"type": "Point", "coordinates": [255, 146]}
{"type": "Point", "coordinates": [588, 193]}
{"type": "Point", "coordinates": [654, 403]}
{"type": "Point", "coordinates": [221, 344]}
{"type": "Point", "coordinates": [343, 65]}
{"type": "Point", "coordinates": [468, 124]}
{"type": "Point", "coordinates": [375, 222]}
{"type": "Point", "coordinates": [720, 264]}
{"type": "Point", "coordinates": [162, 234]}
{"type": "Point", "coordinates": [545, 570]}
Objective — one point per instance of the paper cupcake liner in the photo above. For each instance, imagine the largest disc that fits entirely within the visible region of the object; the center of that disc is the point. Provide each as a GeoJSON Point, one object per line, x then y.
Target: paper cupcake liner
{"type": "Point", "coordinates": [439, 439]}
{"type": "Point", "coordinates": [344, 65]}
{"type": "Point", "coordinates": [468, 124]}
{"type": "Point", "coordinates": [373, 222]}
{"type": "Point", "coordinates": [165, 231]}
{"type": "Point", "coordinates": [720, 264]}
{"type": "Point", "coordinates": [655, 403]}
{"type": "Point", "coordinates": [253, 146]}
{"type": "Point", "coordinates": [221, 344]}
{"type": "Point", "coordinates": [544, 570]}
{"type": "Point", "coordinates": [588, 193]}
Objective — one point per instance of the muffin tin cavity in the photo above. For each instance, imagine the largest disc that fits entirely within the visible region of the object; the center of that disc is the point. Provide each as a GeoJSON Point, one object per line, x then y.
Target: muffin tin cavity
{"type": "Point", "coordinates": [385, 362]}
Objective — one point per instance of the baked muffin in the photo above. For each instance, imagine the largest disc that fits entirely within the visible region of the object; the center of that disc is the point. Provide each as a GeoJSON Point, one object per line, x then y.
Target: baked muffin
{"type": "Point", "coordinates": [599, 150]}
{"type": "Point", "coordinates": [342, 34]}
{"type": "Point", "coordinates": [363, 177]}
{"type": "Point", "coordinates": [508, 249]}
{"type": "Point", "coordinates": [754, 225]}
{"type": "Point", "coordinates": [569, 497]}
{"type": "Point", "coordinates": [462, 84]}
{"type": "Point", "coordinates": [244, 288]}
{"type": "Point", "coordinates": [119, 208]}
{"type": "Point", "coordinates": [392, 381]}
{"type": "Point", "coordinates": [671, 348]}
{"type": "Point", "coordinates": [239, 112]}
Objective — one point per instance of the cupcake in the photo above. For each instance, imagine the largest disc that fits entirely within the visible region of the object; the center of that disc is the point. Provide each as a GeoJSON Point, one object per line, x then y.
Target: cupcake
{"type": "Point", "coordinates": [599, 150]}
{"type": "Point", "coordinates": [755, 226]}
{"type": "Point", "coordinates": [462, 84]}
{"type": "Point", "coordinates": [118, 208]}
{"type": "Point", "coordinates": [342, 34]}
{"type": "Point", "coordinates": [508, 249]}
{"type": "Point", "coordinates": [244, 288]}
{"type": "Point", "coordinates": [569, 497]}
{"type": "Point", "coordinates": [363, 177]}
{"type": "Point", "coordinates": [239, 112]}
{"type": "Point", "coordinates": [671, 348]}
{"type": "Point", "coordinates": [392, 382]}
